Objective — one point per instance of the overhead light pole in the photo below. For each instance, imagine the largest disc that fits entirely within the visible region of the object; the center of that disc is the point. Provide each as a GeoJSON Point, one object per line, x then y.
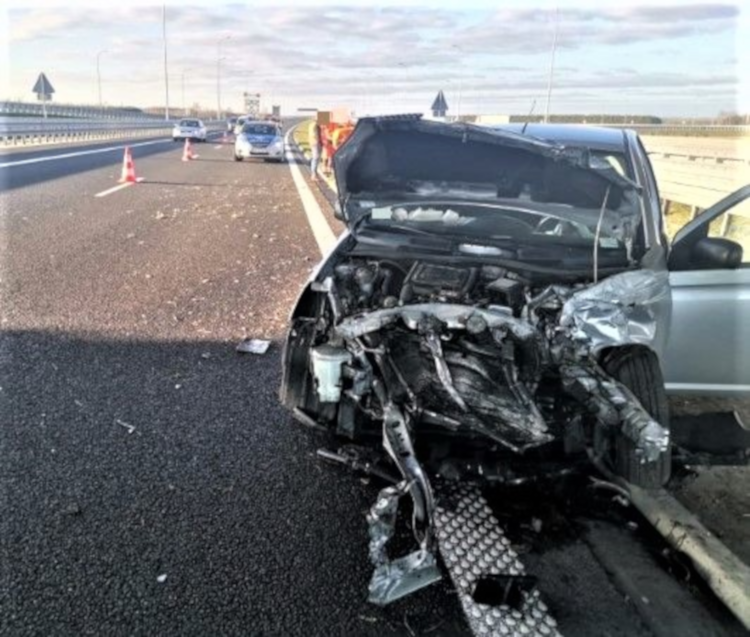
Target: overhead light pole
{"type": "Point", "coordinates": [166, 71]}
{"type": "Point", "coordinates": [218, 74]}
{"type": "Point", "coordinates": [99, 75]}
{"type": "Point", "coordinates": [460, 83]}
{"type": "Point", "coordinates": [184, 109]}
{"type": "Point", "coordinates": [552, 64]}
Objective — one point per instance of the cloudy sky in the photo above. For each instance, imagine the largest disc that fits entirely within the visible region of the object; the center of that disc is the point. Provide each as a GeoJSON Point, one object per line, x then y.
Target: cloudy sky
{"type": "Point", "coordinates": [662, 58]}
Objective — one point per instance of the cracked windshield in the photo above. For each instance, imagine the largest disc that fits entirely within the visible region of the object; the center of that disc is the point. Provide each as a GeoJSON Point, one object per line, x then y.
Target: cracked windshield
{"type": "Point", "coordinates": [375, 318]}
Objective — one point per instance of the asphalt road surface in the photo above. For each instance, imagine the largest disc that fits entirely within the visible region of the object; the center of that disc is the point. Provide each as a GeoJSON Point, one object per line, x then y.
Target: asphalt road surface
{"type": "Point", "coordinates": [151, 483]}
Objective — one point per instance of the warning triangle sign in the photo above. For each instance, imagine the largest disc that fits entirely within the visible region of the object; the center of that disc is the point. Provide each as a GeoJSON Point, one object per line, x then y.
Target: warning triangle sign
{"type": "Point", "coordinates": [439, 106]}
{"type": "Point", "coordinates": [43, 86]}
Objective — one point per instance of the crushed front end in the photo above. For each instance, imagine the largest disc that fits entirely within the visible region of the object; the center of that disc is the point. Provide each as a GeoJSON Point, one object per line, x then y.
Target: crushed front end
{"type": "Point", "coordinates": [465, 365]}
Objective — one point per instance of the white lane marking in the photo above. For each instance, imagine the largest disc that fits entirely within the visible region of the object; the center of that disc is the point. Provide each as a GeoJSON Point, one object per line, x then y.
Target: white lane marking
{"type": "Point", "coordinates": [322, 232]}
{"type": "Point", "coordinates": [218, 147]}
{"type": "Point", "coordinates": [36, 160]}
{"type": "Point", "coordinates": [109, 191]}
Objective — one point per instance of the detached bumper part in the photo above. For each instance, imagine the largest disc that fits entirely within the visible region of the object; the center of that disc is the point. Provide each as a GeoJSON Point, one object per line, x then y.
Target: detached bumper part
{"type": "Point", "coordinates": [395, 579]}
{"type": "Point", "coordinates": [478, 556]}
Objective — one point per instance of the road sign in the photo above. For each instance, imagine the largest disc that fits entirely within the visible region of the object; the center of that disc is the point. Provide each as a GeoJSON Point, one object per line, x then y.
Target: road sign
{"type": "Point", "coordinates": [43, 88]}
{"type": "Point", "coordinates": [252, 103]}
{"type": "Point", "coordinates": [439, 106]}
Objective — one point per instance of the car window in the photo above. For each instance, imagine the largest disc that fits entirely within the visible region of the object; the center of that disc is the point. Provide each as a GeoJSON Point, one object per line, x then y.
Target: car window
{"type": "Point", "coordinates": [192, 123]}
{"type": "Point", "coordinates": [260, 129]}
{"type": "Point", "coordinates": [602, 159]}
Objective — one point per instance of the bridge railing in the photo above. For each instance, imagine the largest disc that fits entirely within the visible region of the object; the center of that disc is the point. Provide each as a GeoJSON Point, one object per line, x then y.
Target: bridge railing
{"type": "Point", "coordinates": [53, 109]}
{"type": "Point", "coordinates": [16, 131]}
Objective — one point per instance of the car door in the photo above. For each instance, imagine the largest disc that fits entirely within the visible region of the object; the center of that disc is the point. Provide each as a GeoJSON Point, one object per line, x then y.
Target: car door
{"type": "Point", "coordinates": [708, 344]}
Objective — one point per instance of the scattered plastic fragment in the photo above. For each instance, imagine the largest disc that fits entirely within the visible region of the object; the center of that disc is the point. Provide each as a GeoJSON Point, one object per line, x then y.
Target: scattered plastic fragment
{"type": "Point", "coordinates": [128, 426]}
{"type": "Point", "coordinates": [161, 578]}
{"type": "Point", "coordinates": [253, 346]}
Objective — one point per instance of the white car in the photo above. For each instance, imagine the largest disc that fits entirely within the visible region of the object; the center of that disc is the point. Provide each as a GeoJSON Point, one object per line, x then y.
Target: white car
{"type": "Point", "coordinates": [259, 139]}
{"type": "Point", "coordinates": [193, 129]}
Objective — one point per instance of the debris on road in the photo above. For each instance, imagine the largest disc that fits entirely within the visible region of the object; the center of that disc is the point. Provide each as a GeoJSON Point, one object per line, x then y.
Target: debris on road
{"type": "Point", "coordinates": [253, 346]}
{"type": "Point", "coordinates": [125, 425]}
{"type": "Point", "coordinates": [161, 578]}
{"type": "Point", "coordinates": [73, 509]}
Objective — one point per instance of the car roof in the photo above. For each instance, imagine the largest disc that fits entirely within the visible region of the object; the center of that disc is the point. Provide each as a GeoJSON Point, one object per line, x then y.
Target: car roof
{"type": "Point", "coordinates": [594, 137]}
{"type": "Point", "coordinates": [260, 121]}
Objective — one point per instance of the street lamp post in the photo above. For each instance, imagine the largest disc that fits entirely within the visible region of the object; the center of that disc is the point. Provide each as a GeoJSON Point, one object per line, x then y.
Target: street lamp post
{"type": "Point", "coordinates": [184, 110]}
{"type": "Point", "coordinates": [99, 75]}
{"type": "Point", "coordinates": [166, 68]}
{"type": "Point", "coordinates": [552, 65]}
{"type": "Point", "coordinates": [218, 75]}
{"type": "Point", "coordinates": [460, 83]}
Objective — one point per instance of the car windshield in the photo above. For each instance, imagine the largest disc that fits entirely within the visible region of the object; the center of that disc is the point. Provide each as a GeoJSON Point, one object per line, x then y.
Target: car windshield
{"type": "Point", "coordinates": [510, 222]}
{"type": "Point", "coordinates": [259, 129]}
{"type": "Point", "coordinates": [190, 123]}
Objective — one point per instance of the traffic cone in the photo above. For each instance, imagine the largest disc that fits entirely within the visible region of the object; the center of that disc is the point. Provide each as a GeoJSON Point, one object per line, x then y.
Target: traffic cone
{"type": "Point", "coordinates": [128, 168]}
{"type": "Point", "coordinates": [187, 152]}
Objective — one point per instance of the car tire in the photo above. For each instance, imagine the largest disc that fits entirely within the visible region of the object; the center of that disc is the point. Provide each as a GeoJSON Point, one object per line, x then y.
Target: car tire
{"type": "Point", "coordinates": [638, 368]}
{"type": "Point", "coordinates": [174, 139]}
{"type": "Point", "coordinates": [237, 157]}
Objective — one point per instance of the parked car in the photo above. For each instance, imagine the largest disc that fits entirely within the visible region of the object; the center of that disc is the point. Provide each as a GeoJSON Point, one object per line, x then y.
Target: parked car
{"type": "Point", "coordinates": [192, 129]}
{"type": "Point", "coordinates": [501, 308]}
{"type": "Point", "coordinates": [259, 139]}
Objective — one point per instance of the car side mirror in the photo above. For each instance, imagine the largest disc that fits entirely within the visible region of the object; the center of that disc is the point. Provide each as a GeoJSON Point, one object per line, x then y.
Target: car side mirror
{"type": "Point", "coordinates": [708, 253]}
{"type": "Point", "coordinates": [338, 212]}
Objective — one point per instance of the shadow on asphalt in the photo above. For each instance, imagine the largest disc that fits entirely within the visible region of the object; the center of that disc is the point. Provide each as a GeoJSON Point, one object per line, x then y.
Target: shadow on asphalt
{"type": "Point", "coordinates": [157, 487]}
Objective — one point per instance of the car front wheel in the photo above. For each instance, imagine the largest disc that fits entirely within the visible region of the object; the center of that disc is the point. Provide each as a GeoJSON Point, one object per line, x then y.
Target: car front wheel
{"type": "Point", "coordinates": [639, 370]}
{"type": "Point", "coordinates": [237, 157]}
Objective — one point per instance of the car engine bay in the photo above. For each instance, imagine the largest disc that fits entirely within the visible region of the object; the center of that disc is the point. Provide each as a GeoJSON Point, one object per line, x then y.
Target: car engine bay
{"type": "Point", "coordinates": [468, 371]}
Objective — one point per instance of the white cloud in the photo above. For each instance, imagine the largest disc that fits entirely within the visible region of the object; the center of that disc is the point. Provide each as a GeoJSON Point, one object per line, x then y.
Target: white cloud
{"type": "Point", "coordinates": [329, 52]}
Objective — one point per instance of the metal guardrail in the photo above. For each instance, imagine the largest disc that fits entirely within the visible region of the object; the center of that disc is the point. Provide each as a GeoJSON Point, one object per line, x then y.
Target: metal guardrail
{"type": "Point", "coordinates": [19, 132]}
{"type": "Point", "coordinates": [48, 131]}
{"type": "Point", "coordinates": [686, 130]}
{"type": "Point", "coordinates": [53, 109]}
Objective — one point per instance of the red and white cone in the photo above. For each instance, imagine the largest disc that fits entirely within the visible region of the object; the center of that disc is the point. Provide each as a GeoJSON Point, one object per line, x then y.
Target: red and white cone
{"type": "Point", "coordinates": [128, 168]}
{"type": "Point", "coordinates": [187, 152]}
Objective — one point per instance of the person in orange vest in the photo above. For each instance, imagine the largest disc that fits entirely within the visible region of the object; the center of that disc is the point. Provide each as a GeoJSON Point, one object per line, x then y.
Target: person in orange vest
{"type": "Point", "coordinates": [341, 134]}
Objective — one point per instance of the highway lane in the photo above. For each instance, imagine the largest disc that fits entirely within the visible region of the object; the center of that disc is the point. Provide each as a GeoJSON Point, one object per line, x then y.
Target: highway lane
{"type": "Point", "coordinates": [27, 166]}
{"type": "Point", "coordinates": [154, 484]}
{"type": "Point", "coordinates": [123, 312]}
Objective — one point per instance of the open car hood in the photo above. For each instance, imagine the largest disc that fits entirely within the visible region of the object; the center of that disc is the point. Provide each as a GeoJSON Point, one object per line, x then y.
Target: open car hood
{"type": "Point", "coordinates": [387, 159]}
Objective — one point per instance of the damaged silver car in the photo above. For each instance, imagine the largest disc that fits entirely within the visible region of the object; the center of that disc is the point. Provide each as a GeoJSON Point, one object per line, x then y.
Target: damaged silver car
{"type": "Point", "coordinates": [497, 309]}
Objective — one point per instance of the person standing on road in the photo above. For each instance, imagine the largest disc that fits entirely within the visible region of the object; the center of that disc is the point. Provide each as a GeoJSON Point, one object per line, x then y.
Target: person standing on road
{"type": "Point", "coordinates": [327, 140]}
{"type": "Point", "coordinates": [316, 145]}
